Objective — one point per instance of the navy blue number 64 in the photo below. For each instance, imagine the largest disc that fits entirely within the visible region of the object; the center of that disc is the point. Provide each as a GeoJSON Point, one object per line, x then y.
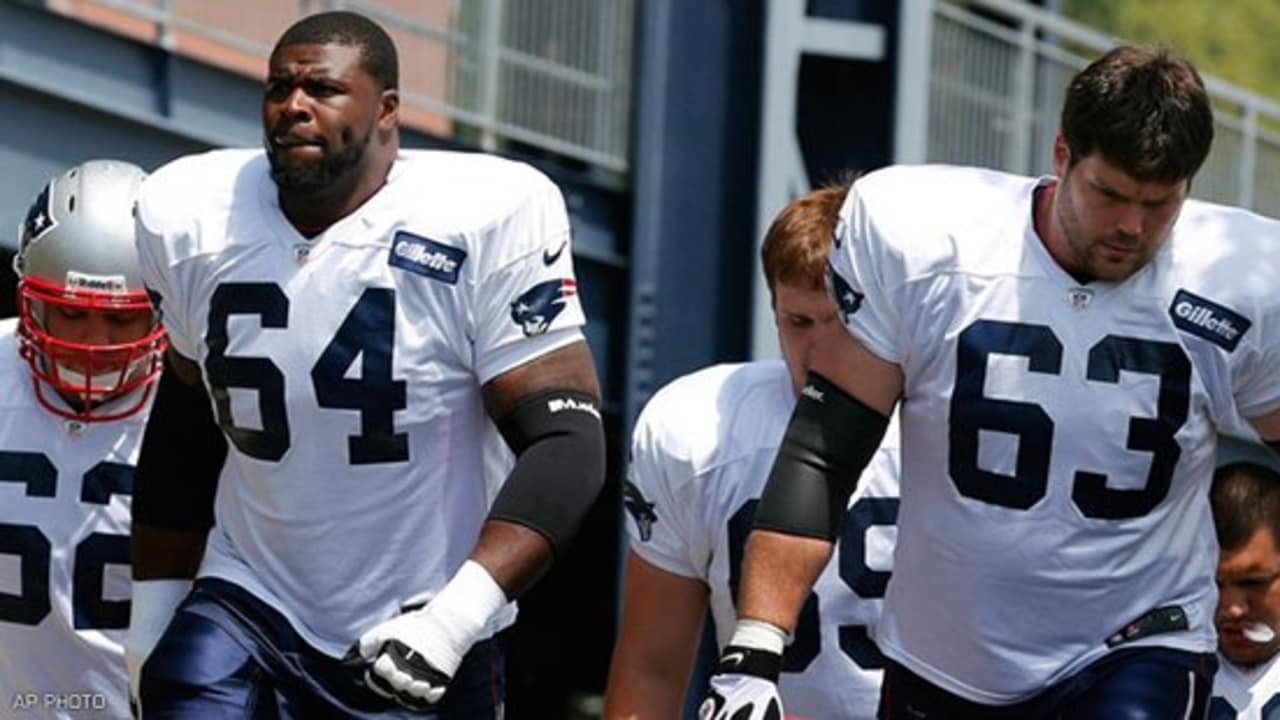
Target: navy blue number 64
{"type": "Point", "coordinates": [368, 332]}
{"type": "Point", "coordinates": [32, 604]}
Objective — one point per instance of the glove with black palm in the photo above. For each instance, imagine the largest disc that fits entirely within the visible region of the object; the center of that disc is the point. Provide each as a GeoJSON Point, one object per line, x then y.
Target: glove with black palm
{"type": "Point", "coordinates": [745, 683]}
{"type": "Point", "coordinates": [412, 657]}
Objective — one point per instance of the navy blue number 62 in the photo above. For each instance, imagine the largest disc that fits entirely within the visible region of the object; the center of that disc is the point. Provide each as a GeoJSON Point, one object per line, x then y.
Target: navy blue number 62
{"type": "Point", "coordinates": [31, 605]}
{"type": "Point", "coordinates": [972, 411]}
{"type": "Point", "coordinates": [367, 332]}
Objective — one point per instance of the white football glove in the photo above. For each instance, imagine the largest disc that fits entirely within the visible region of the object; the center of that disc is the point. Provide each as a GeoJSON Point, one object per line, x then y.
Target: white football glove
{"type": "Point", "coordinates": [745, 683]}
{"type": "Point", "coordinates": [150, 610]}
{"type": "Point", "coordinates": [732, 696]}
{"type": "Point", "coordinates": [412, 657]}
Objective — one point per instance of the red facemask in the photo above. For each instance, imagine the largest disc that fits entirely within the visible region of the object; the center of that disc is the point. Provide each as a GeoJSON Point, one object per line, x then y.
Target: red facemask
{"type": "Point", "coordinates": [87, 376]}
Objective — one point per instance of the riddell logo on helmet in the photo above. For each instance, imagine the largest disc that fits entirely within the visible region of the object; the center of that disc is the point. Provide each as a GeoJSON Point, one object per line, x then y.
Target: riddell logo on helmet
{"type": "Point", "coordinates": [1209, 320]}
{"type": "Point", "coordinates": [114, 284]}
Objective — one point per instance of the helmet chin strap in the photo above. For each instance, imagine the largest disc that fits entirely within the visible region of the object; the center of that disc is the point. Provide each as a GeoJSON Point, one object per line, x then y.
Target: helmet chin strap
{"type": "Point", "coordinates": [77, 382]}
{"type": "Point", "coordinates": [76, 399]}
{"type": "Point", "coordinates": [77, 379]}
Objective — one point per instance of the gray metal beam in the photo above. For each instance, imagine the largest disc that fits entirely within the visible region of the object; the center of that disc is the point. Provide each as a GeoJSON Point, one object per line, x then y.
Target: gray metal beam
{"type": "Point", "coordinates": [789, 34]}
{"type": "Point", "coordinates": [120, 77]}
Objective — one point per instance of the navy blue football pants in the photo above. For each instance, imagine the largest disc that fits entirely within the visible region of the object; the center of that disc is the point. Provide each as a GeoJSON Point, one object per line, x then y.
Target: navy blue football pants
{"type": "Point", "coordinates": [227, 654]}
{"type": "Point", "coordinates": [1132, 684]}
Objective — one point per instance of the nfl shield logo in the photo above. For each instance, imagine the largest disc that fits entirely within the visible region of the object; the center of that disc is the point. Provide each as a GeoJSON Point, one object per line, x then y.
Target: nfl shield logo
{"type": "Point", "coordinates": [1079, 298]}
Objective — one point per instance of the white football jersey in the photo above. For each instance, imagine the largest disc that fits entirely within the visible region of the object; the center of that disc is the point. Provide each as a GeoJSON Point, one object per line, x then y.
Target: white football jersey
{"type": "Point", "coordinates": [65, 495]}
{"type": "Point", "coordinates": [1246, 693]}
{"type": "Point", "coordinates": [346, 369]}
{"type": "Point", "coordinates": [701, 453]}
{"type": "Point", "coordinates": [1058, 439]}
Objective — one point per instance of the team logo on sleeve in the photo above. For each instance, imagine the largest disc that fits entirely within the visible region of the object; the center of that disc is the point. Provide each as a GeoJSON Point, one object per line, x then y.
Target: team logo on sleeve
{"type": "Point", "coordinates": [425, 256]}
{"type": "Point", "coordinates": [538, 306]}
{"type": "Point", "coordinates": [38, 221]}
{"type": "Point", "coordinates": [847, 299]}
{"type": "Point", "coordinates": [641, 510]}
{"type": "Point", "coordinates": [1209, 320]}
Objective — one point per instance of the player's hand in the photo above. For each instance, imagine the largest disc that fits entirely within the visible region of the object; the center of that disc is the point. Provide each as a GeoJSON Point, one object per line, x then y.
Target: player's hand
{"type": "Point", "coordinates": [410, 658]}
{"type": "Point", "coordinates": [744, 686]}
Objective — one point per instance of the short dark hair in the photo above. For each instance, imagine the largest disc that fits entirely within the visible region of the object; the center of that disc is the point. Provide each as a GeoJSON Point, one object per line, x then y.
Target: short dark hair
{"type": "Point", "coordinates": [340, 27]}
{"type": "Point", "coordinates": [1145, 109]}
{"type": "Point", "coordinates": [798, 241]}
{"type": "Point", "coordinates": [1245, 496]}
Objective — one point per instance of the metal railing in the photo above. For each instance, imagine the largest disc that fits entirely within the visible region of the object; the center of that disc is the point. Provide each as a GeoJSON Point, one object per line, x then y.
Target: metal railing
{"type": "Point", "coordinates": [998, 72]}
{"type": "Point", "coordinates": [551, 74]}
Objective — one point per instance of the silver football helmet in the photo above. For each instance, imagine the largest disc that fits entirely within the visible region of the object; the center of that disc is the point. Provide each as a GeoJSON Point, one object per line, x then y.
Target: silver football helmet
{"type": "Point", "coordinates": [76, 257]}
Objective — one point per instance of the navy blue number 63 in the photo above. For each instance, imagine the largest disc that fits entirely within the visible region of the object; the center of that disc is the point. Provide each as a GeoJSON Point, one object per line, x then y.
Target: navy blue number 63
{"type": "Point", "coordinates": [368, 332]}
{"type": "Point", "coordinates": [972, 411]}
{"type": "Point", "coordinates": [32, 604]}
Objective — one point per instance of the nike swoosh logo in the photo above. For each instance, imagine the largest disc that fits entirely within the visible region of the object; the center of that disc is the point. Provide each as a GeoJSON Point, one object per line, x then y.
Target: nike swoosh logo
{"type": "Point", "coordinates": [550, 258]}
{"type": "Point", "coordinates": [734, 658]}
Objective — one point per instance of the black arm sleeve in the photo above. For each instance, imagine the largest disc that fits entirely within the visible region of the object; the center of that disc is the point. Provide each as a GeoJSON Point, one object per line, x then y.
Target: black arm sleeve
{"type": "Point", "coordinates": [182, 454]}
{"type": "Point", "coordinates": [558, 440]}
{"type": "Point", "coordinates": [830, 439]}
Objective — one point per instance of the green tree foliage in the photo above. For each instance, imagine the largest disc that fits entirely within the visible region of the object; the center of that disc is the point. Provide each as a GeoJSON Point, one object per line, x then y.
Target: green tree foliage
{"type": "Point", "coordinates": [1232, 39]}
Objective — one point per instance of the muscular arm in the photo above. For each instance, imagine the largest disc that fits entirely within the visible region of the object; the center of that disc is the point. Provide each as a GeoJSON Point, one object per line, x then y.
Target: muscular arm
{"type": "Point", "coordinates": [662, 617]}
{"type": "Point", "coordinates": [515, 554]}
{"type": "Point", "coordinates": [779, 569]}
{"type": "Point", "coordinates": [182, 454]}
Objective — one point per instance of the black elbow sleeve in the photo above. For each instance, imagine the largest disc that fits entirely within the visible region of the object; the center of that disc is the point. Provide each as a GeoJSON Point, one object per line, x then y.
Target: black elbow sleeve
{"type": "Point", "coordinates": [830, 439]}
{"type": "Point", "coordinates": [182, 454]}
{"type": "Point", "coordinates": [558, 440]}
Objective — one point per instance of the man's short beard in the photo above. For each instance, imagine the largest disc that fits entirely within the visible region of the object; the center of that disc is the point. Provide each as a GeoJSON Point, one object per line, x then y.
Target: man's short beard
{"type": "Point", "coordinates": [315, 177]}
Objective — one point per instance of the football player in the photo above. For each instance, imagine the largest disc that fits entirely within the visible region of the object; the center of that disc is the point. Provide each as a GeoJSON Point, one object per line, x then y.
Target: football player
{"type": "Point", "coordinates": [1246, 512]}
{"type": "Point", "coordinates": [78, 366]}
{"type": "Point", "coordinates": [1065, 349]}
{"type": "Point", "coordinates": [700, 455]}
{"type": "Point", "coordinates": [391, 349]}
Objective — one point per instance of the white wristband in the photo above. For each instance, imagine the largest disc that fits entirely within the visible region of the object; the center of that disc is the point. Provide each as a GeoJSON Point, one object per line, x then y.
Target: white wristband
{"type": "Point", "coordinates": [759, 635]}
{"type": "Point", "coordinates": [466, 605]}
{"type": "Point", "coordinates": [472, 595]}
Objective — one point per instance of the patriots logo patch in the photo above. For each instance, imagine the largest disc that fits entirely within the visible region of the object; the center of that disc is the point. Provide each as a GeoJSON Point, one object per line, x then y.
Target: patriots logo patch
{"type": "Point", "coordinates": [537, 307]}
{"type": "Point", "coordinates": [641, 510]}
{"type": "Point", "coordinates": [847, 299]}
